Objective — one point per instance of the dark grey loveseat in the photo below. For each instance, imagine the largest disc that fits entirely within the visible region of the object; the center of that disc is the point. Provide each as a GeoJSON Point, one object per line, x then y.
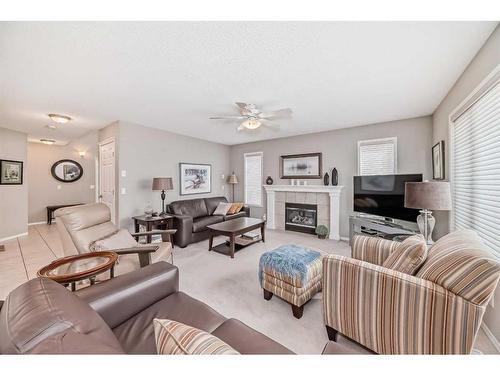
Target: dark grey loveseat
{"type": "Point", "coordinates": [191, 217]}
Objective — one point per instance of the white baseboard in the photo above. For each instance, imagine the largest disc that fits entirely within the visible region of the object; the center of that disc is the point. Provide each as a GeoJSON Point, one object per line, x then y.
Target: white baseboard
{"type": "Point", "coordinates": [491, 337]}
{"type": "Point", "coordinates": [12, 237]}
{"type": "Point", "coordinates": [37, 222]}
{"type": "Point", "coordinates": [344, 239]}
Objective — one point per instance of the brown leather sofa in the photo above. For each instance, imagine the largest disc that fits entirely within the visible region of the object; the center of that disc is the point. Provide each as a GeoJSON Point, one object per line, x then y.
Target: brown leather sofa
{"type": "Point", "coordinates": [191, 217]}
{"type": "Point", "coordinates": [113, 317]}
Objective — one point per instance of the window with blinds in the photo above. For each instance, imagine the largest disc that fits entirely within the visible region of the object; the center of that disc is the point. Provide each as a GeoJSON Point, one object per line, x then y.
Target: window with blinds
{"type": "Point", "coordinates": [475, 164]}
{"type": "Point", "coordinates": [377, 156]}
{"type": "Point", "coordinates": [253, 178]}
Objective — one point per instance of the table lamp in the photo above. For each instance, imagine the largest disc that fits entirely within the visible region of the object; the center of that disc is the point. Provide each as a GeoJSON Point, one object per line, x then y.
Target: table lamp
{"type": "Point", "coordinates": [163, 184]}
{"type": "Point", "coordinates": [233, 180]}
{"type": "Point", "coordinates": [427, 196]}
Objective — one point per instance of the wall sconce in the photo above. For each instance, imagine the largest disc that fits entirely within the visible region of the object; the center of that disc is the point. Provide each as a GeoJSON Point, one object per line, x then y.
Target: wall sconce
{"type": "Point", "coordinates": [81, 153]}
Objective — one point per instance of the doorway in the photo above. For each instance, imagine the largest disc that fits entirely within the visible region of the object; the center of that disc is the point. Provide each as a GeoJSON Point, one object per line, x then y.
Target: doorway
{"type": "Point", "coordinates": [107, 176]}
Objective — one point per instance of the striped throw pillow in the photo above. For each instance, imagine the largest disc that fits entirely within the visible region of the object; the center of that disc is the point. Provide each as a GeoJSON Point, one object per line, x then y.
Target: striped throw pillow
{"type": "Point", "coordinates": [461, 263]}
{"type": "Point", "coordinates": [408, 256]}
{"type": "Point", "coordinates": [176, 338]}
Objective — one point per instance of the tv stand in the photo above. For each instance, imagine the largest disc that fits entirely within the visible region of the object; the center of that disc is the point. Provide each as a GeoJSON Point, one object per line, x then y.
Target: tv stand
{"type": "Point", "coordinates": [380, 227]}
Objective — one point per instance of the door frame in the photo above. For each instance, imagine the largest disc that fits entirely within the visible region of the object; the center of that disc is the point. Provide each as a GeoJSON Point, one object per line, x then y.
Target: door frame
{"type": "Point", "coordinates": [103, 143]}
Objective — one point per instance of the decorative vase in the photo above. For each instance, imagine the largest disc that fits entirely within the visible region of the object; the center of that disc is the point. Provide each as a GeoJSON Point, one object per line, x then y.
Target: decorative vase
{"type": "Point", "coordinates": [269, 180]}
{"type": "Point", "coordinates": [335, 177]}
{"type": "Point", "coordinates": [148, 210]}
{"type": "Point", "coordinates": [326, 179]}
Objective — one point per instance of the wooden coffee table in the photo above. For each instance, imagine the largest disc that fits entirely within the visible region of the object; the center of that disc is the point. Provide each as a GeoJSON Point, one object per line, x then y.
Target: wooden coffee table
{"type": "Point", "coordinates": [233, 229]}
{"type": "Point", "coordinates": [69, 270]}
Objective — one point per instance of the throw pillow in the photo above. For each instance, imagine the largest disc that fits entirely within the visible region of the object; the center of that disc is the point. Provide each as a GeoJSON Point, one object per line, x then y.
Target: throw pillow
{"type": "Point", "coordinates": [176, 338]}
{"type": "Point", "coordinates": [222, 208]}
{"type": "Point", "coordinates": [122, 239]}
{"type": "Point", "coordinates": [408, 256]}
{"type": "Point", "coordinates": [235, 208]}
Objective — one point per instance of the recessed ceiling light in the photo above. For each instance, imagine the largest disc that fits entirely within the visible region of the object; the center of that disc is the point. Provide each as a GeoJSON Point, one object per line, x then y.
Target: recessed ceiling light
{"type": "Point", "coordinates": [60, 119]}
{"type": "Point", "coordinates": [47, 141]}
{"type": "Point", "coordinates": [51, 126]}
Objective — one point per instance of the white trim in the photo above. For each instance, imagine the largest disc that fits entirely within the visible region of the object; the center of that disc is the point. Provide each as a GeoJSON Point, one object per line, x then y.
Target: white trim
{"type": "Point", "coordinates": [346, 239]}
{"type": "Point", "coordinates": [494, 341]}
{"type": "Point", "coordinates": [394, 140]}
{"type": "Point", "coordinates": [261, 153]}
{"type": "Point", "coordinates": [486, 84]}
{"type": "Point", "coordinates": [12, 237]}
{"type": "Point", "coordinates": [39, 222]}
{"type": "Point", "coordinates": [305, 188]}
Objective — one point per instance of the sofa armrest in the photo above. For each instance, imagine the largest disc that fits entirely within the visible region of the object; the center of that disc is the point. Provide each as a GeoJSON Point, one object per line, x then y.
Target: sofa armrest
{"type": "Point", "coordinates": [184, 226]}
{"type": "Point", "coordinates": [391, 312]}
{"type": "Point", "coordinates": [372, 249]}
{"type": "Point", "coordinates": [118, 299]}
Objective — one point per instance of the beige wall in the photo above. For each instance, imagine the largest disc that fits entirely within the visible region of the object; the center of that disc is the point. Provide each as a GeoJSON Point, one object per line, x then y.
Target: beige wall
{"type": "Point", "coordinates": [43, 188]}
{"type": "Point", "coordinates": [14, 198]}
{"type": "Point", "coordinates": [339, 148]}
{"type": "Point", "coordinates": [483, 63]}
{"type": "Point", "coordinates": [160, 157]}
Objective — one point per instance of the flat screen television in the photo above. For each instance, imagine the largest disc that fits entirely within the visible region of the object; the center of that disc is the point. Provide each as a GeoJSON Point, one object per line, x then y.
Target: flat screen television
{"type": "Point", "coordinates": [384, 195]}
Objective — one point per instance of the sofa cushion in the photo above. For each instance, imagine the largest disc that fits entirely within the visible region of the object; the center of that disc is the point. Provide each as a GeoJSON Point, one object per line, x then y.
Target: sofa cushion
{"type": "Point", "coordinates": [213, 202]}
{"type": "Point", "coordinates": [200, 224]}
{"type": "Point", "coordinates": [41, 315]}
{"type": "Point", "coordinates": [460, 263]}
{"type": "Point", "coordinates": [189, 207]}
{"type": "Point", "coordinates": [235, 216]}
{"type": "Point", "coordinates": [177, 338]}
{"type": "Point", "coordinates": [222, 208]}
{"type": "Point", "coordinates": [137, 336]}
{"type": "Point", "coordinates": [408, 256]}
{"type": "Point", "coordinates": [235, 208]}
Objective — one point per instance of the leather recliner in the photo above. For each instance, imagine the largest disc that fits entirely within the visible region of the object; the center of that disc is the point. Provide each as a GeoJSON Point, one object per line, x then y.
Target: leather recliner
{"type": "Point", "coordinates": [113, 317]}
{"type": "Point", "coordinates": [191, 217]}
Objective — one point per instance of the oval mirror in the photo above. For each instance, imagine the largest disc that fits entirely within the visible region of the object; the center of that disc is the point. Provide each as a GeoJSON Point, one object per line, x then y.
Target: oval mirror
{"type": "Point", "coordinates": [67, 170]}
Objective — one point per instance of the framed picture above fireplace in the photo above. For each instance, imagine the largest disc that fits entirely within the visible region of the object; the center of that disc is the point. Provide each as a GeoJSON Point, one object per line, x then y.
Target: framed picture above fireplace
{"type": "Point", "coordinates": [301, 166]}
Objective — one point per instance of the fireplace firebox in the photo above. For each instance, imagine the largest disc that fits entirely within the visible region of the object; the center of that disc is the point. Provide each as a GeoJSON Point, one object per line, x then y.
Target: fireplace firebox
{"type": "Point", "coordinates": [301, 217]}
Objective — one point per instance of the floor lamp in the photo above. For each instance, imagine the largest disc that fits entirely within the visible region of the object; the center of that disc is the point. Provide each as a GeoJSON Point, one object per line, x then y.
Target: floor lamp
{"type": "Point", "coordinates": [233, 180]}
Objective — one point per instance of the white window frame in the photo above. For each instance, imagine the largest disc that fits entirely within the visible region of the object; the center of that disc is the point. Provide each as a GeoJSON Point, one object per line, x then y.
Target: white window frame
{"type": "Point", "coordinates": [257, 153]}
{"type": "Point", "coordinates": [486, 84]}
{"type": "Point", "coordinates": [393, 140]}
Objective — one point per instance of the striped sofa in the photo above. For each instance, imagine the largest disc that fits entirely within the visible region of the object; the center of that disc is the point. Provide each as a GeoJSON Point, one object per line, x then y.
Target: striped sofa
{"type": "Point", "coordinates": [436, 311]}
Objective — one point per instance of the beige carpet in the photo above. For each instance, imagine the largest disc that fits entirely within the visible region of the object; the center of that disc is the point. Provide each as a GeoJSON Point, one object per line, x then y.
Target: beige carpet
{"type": "Point", "coordinates": [231, 286]}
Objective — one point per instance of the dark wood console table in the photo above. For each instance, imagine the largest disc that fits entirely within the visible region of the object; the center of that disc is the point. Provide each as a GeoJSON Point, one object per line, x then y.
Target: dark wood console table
{"type": "Point", "coordinates": [153, 222]}
{"type": "Point", "coordinates": [379, 227]}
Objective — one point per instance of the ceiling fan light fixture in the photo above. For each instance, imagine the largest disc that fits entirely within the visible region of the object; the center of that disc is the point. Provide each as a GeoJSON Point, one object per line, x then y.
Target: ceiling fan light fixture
{"type": "Point", "coordinates": [251, 124]}
{"type": "Point", "coordinates": [60, 119]}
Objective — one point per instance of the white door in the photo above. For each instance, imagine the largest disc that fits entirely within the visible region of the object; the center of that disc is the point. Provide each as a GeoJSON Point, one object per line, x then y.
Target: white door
{"type": "Point", "coordinates": [107, 175]}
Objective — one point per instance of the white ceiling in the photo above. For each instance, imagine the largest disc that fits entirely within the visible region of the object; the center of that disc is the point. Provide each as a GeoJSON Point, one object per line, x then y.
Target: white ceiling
{"type": "Point", "coordinates": [174, 75]}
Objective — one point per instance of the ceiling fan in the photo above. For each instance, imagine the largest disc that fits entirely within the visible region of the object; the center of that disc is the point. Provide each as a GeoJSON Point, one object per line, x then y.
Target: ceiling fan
{"type": "Point", "coordinates": [253, 118]}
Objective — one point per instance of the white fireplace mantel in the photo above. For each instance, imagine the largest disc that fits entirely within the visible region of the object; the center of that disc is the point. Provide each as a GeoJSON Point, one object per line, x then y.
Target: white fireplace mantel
{"type": "Point", "coordinates": [332, 191]}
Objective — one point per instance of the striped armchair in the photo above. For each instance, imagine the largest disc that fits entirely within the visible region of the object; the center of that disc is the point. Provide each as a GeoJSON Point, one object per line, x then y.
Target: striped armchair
{"type": "Point", "coordinates": [436, 311]}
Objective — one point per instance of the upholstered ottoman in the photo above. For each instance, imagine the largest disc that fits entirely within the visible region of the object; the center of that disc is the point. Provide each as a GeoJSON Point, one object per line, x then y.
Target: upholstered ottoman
{"type": "Point", "coordinates": [292, 273]}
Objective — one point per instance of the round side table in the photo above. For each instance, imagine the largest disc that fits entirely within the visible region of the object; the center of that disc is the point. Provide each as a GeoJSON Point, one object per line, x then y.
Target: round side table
{"type": "Point", "coordinates": [69, 270]}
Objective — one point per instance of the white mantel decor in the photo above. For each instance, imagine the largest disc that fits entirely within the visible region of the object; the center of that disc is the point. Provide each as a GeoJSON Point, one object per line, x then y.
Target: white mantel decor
{"type": "Point", "coordinates": [334, 203]}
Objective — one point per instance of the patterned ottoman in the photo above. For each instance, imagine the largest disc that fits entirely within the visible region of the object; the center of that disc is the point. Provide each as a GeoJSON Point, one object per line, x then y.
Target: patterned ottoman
{"type": "Point", "coordinates": [292, 273]}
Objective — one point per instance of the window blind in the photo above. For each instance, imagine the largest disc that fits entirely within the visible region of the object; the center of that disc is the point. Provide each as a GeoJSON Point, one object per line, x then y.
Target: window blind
{"type": "Point", "coordinates": [475, 168]}
{"type": "Point", "coordinates": [253, 178]}
{"type": "Point", "coordinates": [377, 156]}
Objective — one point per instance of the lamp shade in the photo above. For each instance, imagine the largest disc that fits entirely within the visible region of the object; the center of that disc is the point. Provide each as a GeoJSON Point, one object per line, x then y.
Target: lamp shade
{"type": "Point", "coordinates": [232, 179]}
{"type": "Point", "coordinates": [162, 183]}
{"type": "Point", "coordinates": [428, 195]}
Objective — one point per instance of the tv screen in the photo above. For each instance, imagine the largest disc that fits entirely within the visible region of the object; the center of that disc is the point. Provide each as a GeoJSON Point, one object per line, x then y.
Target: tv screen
{"type": "Point", "coordinates": [384, 195]}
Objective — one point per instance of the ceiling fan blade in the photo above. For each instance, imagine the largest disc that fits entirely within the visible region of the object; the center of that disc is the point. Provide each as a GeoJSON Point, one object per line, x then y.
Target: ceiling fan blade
{"type": "Point", "coordinates": [241, 105]}
{"type": "Point", "coordinates": [274, 127]}
{"type": "Point", "coordinates": [227, 118]}
{"type": "Point", "coordinates": [280, 113]}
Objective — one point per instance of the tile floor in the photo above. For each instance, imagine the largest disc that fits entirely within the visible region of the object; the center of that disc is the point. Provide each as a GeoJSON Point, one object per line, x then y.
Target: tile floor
{"type": "Point", "coordinates": [24, 256]}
